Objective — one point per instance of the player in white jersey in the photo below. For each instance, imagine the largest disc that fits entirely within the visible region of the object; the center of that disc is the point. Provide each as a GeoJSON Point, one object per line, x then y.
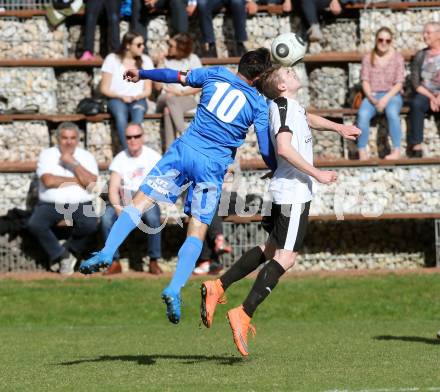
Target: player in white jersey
{"type": "Point", "coordinates": [292, 190]}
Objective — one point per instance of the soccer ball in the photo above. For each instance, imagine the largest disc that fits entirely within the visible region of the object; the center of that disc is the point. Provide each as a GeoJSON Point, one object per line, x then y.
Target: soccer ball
{"type": "Point", "coordinates": [288, 48]}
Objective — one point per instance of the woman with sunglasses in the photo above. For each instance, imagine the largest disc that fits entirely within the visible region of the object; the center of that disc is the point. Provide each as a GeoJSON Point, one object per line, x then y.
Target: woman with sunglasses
{"type": "Point", "coordinates": [175, 100]}
{"type": "Point", "coordinates": [382, 76]}
{"type": "Point", "coordinates": [126, 100]}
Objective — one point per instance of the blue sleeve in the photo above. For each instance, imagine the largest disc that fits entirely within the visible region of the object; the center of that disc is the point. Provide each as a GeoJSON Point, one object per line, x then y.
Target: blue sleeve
{"type": "Point", "coordinates": [262, 129]}
{"type": "Point", "coordinates": [164, 75]}
{"type": "Point", "coordinates": [266, 149]}
{"type": "Point", "coordinates": [196, 77]}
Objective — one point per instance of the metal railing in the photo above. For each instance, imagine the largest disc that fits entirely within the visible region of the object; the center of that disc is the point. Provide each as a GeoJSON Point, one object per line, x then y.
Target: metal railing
{"type": "Point", "coordinates": [241, 237]}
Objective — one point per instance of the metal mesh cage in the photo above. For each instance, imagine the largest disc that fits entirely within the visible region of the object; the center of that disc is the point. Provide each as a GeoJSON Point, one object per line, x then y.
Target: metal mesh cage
{"type": "Point", "coordinates": [13, 258]}
{"type": "Point", "coordinates": [241, 237]}
{"type": "Point", "coordinates": [11, 5]}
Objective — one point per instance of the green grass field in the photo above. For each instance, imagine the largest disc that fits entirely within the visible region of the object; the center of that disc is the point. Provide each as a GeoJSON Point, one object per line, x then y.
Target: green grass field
{"type": "Point", "coordinates": [366, 333]}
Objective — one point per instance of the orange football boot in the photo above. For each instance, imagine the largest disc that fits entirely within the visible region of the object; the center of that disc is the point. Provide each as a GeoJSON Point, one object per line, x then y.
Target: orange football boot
{"type": "Point", "coordinates": [212, 294]}
{"type": "Point", "coordinates": [240, 324]}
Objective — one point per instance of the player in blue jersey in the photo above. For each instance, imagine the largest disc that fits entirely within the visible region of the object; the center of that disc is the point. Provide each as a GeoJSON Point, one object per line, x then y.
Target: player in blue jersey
{"type": "Point", "coordinates": [198, 160]}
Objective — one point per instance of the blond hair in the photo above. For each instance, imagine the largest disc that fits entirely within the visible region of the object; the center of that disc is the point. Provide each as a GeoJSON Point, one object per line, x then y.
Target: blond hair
{"type": "Point", "coordinates": [269, 81]}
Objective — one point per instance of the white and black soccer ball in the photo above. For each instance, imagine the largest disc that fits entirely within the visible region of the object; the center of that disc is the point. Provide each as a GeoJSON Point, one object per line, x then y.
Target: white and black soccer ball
{"type": "Point", "coordinates": [288, 48]}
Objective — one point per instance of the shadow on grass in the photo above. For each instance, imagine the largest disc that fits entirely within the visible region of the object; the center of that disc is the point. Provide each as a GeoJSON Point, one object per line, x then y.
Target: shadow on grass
{"type": "Point", "coordinates": [151, 359]}
{"type": "Point", "coordinates": [414, 339]}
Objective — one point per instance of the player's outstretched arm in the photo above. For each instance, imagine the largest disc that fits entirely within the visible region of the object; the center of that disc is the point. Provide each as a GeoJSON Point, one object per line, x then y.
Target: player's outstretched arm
{"type": "Point", "coordinates": [288, 152]}
{"type": "Point", "coordinates": [163, 75]}
{"type": "Point", "coordinates": [322, 124]}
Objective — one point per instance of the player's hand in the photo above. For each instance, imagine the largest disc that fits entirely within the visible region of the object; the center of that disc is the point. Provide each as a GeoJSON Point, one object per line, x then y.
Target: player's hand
{"type": "Point", "coordinates": [131, 75]}
{"type": "Point", "coordinates": [350, 132]}
{"type": "Point", "coordinates": [326, 177]}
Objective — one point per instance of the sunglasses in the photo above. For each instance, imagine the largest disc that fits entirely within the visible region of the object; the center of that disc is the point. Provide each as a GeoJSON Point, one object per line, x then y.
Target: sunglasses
{"type": "Point", "coordinates": [140, 45]}
{"type": "Point", "coordinates": [134, 136]}
{"type": "Point", "coordinates": [383, 40]}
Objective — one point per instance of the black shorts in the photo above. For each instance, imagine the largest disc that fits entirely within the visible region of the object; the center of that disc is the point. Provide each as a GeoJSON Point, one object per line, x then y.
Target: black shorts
{"type": "Point", "coordinates": [287, 224]}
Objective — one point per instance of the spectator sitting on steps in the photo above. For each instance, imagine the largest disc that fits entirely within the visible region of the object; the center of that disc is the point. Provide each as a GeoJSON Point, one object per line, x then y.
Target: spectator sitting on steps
{"type": "Point", "coordinates": [425, 79]}
{"type": "Point", "coordinates": [126, 99]}
{"type": "Point", "coordinates": [65, 173]}
{"type": "Point", "coordinates": [238, 9]}
{"type": "Point", "coordinates": [382, 74]}
{"type": "Point", "coordinates": [128, 170]}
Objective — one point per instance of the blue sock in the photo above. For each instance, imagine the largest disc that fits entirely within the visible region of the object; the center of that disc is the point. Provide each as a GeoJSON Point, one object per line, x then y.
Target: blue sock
{"type": "Point", "coordinates": [124, 225]}
{"type": "Point", "coordinates": [188, 255]}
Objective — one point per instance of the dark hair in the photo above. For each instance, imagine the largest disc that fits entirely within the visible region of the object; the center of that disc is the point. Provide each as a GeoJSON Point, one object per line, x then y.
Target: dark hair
{"type": "Point", "coordinates": [252, 64]}
{"type": "Point", "coordinates": [374, 51]}
{"type": "Point", "coordinates": [128, 39]}
{"type": "Point", "coordinates": [184, 45]}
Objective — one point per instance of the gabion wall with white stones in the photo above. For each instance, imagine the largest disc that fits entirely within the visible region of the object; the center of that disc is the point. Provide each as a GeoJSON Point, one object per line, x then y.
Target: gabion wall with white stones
{"type": "Point", "coordinates": [347, 245]}
{"type": "Point", "coordinates": [102, 140]}
{"type": "Point", "coordinates": [340, 36]}
{"type": "Point", "coordinates": [99, 141]}
{"type": "Point", "coordinates": [73, 86]}
{"type": "Point", "coordinates": [15, 190]}
{"type": "Point", "coordinates": [406, 25]}
{"type": "Point", "coordinates": [369, 191]}
{"type": "Point", "coordinates": [75, 40]}
{"type": "Point", "coordinates": [328, 87]}
{"type": "Point", "coordinates": [303, 95]}
{"type": "Point", "coordinates": [22, 140]}
{"type": "Point", "coordinates": [31, 38]}
{"type": "Point", "coordinates": [29, 86]}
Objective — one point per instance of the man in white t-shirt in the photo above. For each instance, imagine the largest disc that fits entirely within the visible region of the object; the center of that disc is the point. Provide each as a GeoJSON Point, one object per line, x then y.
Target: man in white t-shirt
{"type": "Point", "coordinates": [65, 172]}
{"type": "Point", "coordinates": [291, 188]}
{"type": "Point", "coordinates": [128, 170]}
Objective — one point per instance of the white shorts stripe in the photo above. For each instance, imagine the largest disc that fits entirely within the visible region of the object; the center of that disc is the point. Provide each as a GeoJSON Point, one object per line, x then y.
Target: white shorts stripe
{"type": "Point", "coordinates": [292, 232]}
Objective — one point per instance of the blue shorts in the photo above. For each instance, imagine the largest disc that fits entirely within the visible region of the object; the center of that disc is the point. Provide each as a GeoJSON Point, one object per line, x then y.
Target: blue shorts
{"type": "Point", "coordinates": [184, 168]}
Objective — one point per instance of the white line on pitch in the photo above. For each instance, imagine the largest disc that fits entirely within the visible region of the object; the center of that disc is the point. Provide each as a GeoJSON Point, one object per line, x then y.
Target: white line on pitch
{"type": "Point", "coordinates": [409, 389]}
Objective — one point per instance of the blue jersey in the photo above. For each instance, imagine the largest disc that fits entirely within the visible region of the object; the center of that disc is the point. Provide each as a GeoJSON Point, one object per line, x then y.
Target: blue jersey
{"type": "Point", "coordinates": [228, 106]}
